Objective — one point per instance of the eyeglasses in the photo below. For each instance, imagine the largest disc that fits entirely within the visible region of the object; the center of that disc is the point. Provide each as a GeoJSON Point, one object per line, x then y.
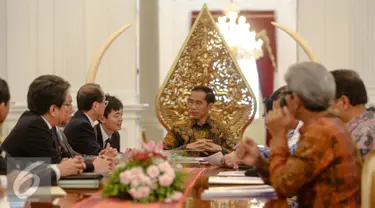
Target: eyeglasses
{"type": "Point", "coordinates": [68, 105]}
{"type": "Point", "coordinates": [106, 102]}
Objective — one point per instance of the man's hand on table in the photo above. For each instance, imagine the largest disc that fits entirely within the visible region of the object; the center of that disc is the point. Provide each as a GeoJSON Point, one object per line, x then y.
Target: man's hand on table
{"type": "Point", "coordinates": [108, 151]}
{"type": "Point", "coordinates": [204, 145]}
{"type": "Point", "coordinates": [247, 152]}
{"type": "Point", "coordinates": [71, 166]}
{"type": "Point", "coordinates": [103, 164]}
{"type": "Point", "coordinates": [228, 160]}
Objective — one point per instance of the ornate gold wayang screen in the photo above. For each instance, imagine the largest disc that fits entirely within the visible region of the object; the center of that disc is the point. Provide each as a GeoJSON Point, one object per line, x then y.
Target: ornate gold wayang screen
{"type": "Point", "coordinates": [205, 59]}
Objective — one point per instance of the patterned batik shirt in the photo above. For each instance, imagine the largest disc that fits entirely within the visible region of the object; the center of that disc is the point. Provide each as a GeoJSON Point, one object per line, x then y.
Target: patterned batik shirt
{"type": "Point", "coordinates": [324, 171]}
{"type": "Point", "coordinates": [362, 129]}
{"type": "Point", "coordinates": [189, 131]}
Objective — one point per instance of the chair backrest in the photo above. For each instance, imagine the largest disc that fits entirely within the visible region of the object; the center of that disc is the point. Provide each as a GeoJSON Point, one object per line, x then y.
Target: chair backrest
{"type": "Point", "coordinates": [205, 59]}
{"type": "Point", "coordinates": [368, 181]}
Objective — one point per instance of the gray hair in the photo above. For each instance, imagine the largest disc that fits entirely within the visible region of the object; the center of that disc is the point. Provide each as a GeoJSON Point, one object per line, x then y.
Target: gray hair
{"type": "Point", "coordinates": [313, 84]}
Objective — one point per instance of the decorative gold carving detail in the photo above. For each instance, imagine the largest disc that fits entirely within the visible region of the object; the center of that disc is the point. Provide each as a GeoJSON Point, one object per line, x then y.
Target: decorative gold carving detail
{"type": "Point", "coordinates": [205, 59]}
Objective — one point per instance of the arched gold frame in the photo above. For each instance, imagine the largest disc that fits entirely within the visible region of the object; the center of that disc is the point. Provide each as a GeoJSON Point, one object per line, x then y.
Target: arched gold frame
{"type": "Point", "coordinates": [205, 11]}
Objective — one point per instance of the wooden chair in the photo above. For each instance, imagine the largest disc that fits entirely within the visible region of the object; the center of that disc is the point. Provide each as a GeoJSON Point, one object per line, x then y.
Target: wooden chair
{"type": "Point", "coordinates": [368, 182]}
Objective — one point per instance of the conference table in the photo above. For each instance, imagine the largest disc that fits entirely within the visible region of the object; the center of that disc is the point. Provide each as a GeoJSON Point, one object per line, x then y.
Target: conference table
{"type": "Point", "coordinates": [74, 196]}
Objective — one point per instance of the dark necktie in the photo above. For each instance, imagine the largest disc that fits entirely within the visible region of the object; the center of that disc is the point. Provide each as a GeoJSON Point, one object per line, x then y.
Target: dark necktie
{"type": "Point", "coordinates": [64, 143]}
{"type": "Point", "coordinates": [106, 142]}
{"type": "Point", "coordinates": [96, 133]}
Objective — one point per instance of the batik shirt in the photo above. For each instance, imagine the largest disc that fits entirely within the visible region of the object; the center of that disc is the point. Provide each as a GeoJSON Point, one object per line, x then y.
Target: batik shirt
{"type": "Point", "coordinates": [189, 131]}
{"type": "Point", "coordinates": [362, 129]}
{"type": "Point", "coordinates": [324, 171]}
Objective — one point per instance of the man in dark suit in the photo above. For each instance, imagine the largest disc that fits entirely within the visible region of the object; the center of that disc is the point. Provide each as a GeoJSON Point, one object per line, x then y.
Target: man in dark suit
{"type": "Point", "coordinates": [54, 171]}
{"type": "Point", "coordinates": [49, 102]}
{"type": "Point", "coordinates": [80, 130]}
{"type": "Point", "coordinates": [4, 110]}
{"type": "Point", "coordinates": [102, 164]}
{"type": "Point", "coordinates": [110, 123]}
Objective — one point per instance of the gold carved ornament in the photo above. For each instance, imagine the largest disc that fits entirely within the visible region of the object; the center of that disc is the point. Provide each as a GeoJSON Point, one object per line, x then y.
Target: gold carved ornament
{"type": "Point", "coordinates": [206, 59]}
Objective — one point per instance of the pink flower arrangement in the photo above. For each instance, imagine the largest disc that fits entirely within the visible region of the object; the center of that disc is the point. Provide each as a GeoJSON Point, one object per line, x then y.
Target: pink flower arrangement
{"type": "Point", "coordinates": [146, 176]}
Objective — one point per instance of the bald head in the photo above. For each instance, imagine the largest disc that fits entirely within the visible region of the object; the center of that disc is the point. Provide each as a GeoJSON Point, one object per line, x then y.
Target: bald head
{"type": "Point", "coordinates": [87, 95]}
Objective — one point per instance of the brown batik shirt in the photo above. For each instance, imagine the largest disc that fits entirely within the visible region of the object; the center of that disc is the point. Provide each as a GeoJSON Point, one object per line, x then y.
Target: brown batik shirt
{"type": "Point", "coordinates": [324, 171]}
{"type": "Point", "coordinates": [189, 131]}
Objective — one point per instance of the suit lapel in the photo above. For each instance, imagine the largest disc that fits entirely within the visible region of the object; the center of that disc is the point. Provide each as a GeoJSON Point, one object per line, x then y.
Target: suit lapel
{"type": "Point", "coordinates": [56, 143]}
{"type": "Point", "coordinates": [99, 136]}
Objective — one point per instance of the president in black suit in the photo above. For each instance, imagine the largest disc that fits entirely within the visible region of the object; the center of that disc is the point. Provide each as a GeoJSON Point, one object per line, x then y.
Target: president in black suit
{"type": "Point", "coordinates": [49, 102]}
{"type": "Point", "coordinates": [80, 130]}
{"type": "Point", "coordinates": [110, 123]}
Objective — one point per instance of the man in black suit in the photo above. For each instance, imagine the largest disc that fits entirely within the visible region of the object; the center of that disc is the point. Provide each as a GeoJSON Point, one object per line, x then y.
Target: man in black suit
{"type": "Point", "coordinates": [110, 123]}
{"type": "Point", "coordinates": [80, 130]}
{"type": "Point", "coordinates": [4, 110]}
{"type": "Point", "coordinates": [54, 171]}
{"type": "Point", "coordinates": [49, 102]}
{"type": "Point", "coordinates": [101, 164]}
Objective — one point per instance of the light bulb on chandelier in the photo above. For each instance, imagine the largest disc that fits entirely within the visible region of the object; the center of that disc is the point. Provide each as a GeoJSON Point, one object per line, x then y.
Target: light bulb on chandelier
{"type": "Point", "coordinates": [238, 36]}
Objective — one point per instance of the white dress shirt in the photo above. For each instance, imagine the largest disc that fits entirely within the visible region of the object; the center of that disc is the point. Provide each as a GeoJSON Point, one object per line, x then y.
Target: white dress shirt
{"type": "Point", "coordinates": [53, 166]}
{"type": "Point", "coordinates": [105, 136]}
{"type": "Point", "coordinates": [295, 137]}
{"type": "Point", "coordinates": [91, 121]}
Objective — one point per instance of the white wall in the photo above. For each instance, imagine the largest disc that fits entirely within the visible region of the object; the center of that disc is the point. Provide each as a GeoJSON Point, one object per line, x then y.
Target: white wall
{"type": "Point", "coordinates": [61, 37]}
{"type": "Point", "coordinates": [175, 21]}
{"type": "Point", "coordinates": [341, 32]}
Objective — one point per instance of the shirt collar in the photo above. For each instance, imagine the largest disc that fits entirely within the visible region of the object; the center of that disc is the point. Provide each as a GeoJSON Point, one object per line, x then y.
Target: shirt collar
{"type": "Point", "coordinates": [91, 121]}
{"type": "Point", "coordinates": [48, 124]}
{"type": "Point", "coordinates": [105, 136]}
{"type": "Point", "coordinates": [208, 122]}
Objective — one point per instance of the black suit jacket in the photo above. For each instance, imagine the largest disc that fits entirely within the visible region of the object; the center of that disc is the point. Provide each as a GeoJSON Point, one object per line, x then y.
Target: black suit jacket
{"type": "Point", "coordinates": [66, 146]}
{"type": "Point", "coordinates": [115, 138]}
{"type": "Point", "coordinates": [81, 135]}
{"type": "Point", "coordinates": [31, 137]}
{"type": "Point", "coordinates": [42, 171]}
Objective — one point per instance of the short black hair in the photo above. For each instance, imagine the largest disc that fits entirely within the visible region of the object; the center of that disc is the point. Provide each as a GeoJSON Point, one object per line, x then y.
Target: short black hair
{"type": "Point", "coordinates": [4, 92]}
{"type": "Point", "coordinates": [268, 101]}
{"type": "Point", "coordinates": [45, 91]}
{"type": "Point", "coordinates": [276, 95]}
{"type": "Point", "coordinates": [210, 96]}
{"type": "Point", "coordinates": [87, 95]}
{"type": "Point", "coordinates": [113, 104]}
{"type": "Point", "coordinates": [349, 83]}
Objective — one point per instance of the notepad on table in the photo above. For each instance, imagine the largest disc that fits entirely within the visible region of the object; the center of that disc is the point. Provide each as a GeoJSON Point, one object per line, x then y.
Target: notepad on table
{"type": "Point", "coordinates": [260, 191]}
{"type": "Point", "coordinates": [235, 180]}
{"type": "Point", "coordinates": [85, 180]}
{"type": "Point", "coordinates": [232, 173]}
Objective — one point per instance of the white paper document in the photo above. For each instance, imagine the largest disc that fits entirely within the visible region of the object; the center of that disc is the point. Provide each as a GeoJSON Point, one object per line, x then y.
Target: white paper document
{"type": "Point", "coordinates": [235, 180]}
{"type": "Point", "coordinates": [239, 192]}
{"type": "Point", "coordinates": [232, 173]}
{"type": "Point", "coordinates": [215, 159]}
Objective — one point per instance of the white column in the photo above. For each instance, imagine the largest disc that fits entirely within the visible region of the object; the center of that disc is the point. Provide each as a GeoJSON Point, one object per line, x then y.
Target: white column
{"type": "Point", "coordinates": [61, 37]}
{"type": "Point", "coordinates": [3, 39]}
{"type": "Point", "coordinates": [149, 66]}
{"type": "Point", "coordinates": [341, 32]}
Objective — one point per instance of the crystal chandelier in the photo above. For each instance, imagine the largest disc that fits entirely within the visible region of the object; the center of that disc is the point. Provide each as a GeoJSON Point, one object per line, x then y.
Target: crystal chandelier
{"type": "Point", "coordinates": [237, 34]}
